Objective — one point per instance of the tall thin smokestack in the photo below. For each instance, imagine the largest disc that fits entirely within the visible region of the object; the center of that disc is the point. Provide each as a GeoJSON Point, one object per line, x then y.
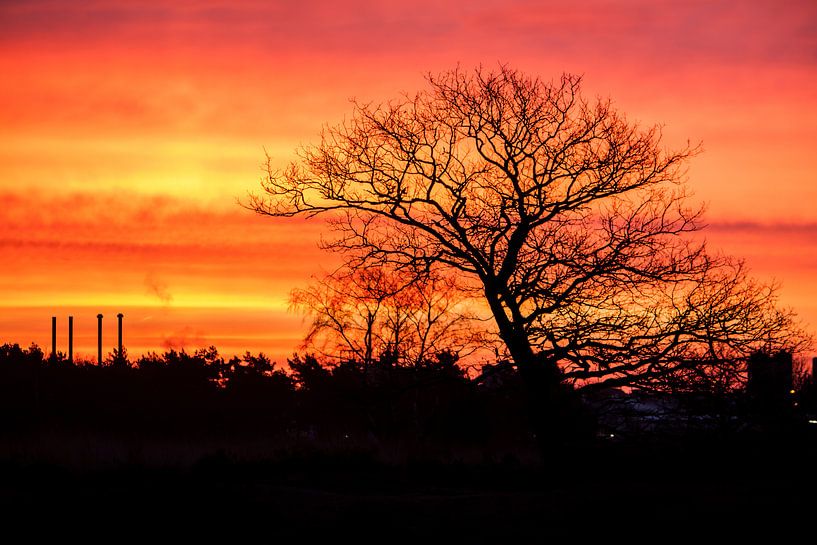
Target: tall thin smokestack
{"type": "Point", "coordinates": [71, 339]}
{"type": "Point", "coordinates": [53, 337]}
{"type": "Point", "coordinates": [120, 316]}
{"type": "Point", "coordinates": [99, 338]}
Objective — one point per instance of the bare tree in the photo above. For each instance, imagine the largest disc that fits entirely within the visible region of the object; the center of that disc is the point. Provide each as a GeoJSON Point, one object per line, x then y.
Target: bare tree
{"type": "Point", "coordinates": [365, 313]}
{"type": "Point", "coordinates": [569, 221]}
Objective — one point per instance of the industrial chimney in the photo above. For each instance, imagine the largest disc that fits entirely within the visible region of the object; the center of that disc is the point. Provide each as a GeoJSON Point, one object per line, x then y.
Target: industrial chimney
{"type": "Point", "coordinates": [119, 354]}
{"type": "Point", "coordinates": [54, 338]}
{"type": "Point", "coordinates": [99, 338]}
{"type": "Point", "coordinates": [70, 339]}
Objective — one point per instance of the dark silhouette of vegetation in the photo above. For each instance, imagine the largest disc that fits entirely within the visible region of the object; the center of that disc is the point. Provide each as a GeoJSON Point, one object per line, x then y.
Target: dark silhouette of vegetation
{"type": "Point", "coordinates": [431, 408]}
{"type": "Point", "coordinates": [377, 404]}
{"type": "Point", "coordinates": [361, 448]}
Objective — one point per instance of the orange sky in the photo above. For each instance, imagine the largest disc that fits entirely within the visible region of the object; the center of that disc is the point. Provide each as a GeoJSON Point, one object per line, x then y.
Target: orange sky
{"type": "Point", "coordinates": [129, 130]}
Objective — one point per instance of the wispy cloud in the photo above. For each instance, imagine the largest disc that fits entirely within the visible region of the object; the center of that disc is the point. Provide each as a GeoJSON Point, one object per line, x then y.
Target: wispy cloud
{"type": "Point", "coordinates": [680, 32]}
{"type": "Point", "coordinates": [186, 337]}
{"type": "Point", "coordinates": [769, 228]}
{"type": "Point", "coordinates": [157, 287]}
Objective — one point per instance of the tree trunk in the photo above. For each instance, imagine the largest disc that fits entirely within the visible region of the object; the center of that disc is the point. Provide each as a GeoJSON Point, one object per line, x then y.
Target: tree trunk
{"type": "Point", "coordinates": [554, 410]}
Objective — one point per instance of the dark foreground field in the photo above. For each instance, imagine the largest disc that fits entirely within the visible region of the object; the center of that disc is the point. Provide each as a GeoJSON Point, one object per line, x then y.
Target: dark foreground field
{"type": "Point", "coordinates": [652, 491]}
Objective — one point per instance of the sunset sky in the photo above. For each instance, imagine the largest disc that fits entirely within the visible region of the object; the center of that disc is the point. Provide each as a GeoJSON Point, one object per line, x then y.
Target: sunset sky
{"type": "Point", "coordinates": [130, 130]}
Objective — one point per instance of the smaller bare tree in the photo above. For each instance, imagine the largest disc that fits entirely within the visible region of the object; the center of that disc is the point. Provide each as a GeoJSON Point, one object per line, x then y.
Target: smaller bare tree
{"type": "Point", "coordinates": [365, 313]}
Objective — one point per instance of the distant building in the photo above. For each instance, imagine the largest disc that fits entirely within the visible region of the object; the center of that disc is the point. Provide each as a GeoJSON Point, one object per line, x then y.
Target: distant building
{"type": "Point", "coordinates": [770, 384]}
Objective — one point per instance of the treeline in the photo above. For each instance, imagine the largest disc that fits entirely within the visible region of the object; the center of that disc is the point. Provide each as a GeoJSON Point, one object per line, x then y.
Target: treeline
{"type": "Point", "coordinates": [204, 395]}
{"type": "Point", "coordinates": [431, 407]}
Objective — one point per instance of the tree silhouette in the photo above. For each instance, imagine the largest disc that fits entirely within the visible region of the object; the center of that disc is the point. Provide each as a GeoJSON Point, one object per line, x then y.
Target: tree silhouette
{"type": "Point", "coordinates": [364, 314]}
{"type": "Point", "coordinates": [569, 221]}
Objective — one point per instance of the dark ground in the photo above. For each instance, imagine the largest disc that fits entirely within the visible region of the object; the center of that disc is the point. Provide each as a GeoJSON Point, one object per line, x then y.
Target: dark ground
{"type": "Point", "coordinates": [187, 446]}
{"type": "Point", "coordinates": [651, 491]}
